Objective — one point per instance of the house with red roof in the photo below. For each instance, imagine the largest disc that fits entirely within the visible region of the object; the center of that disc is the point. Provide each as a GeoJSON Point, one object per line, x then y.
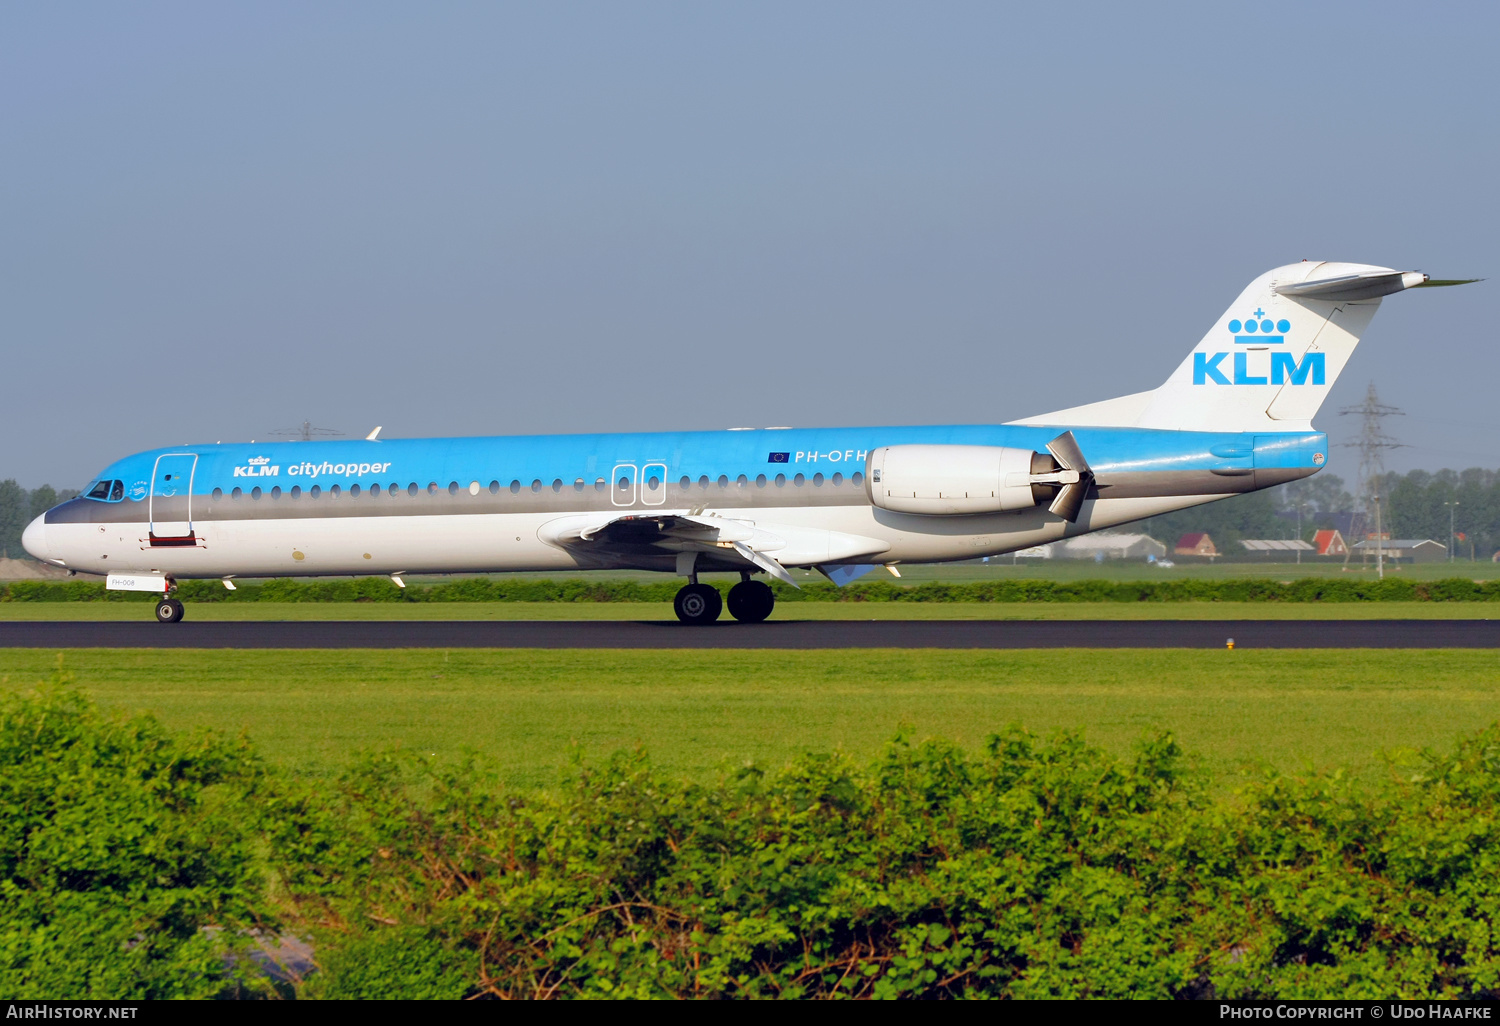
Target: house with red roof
{"type": "Point", "coordinates": [1195, 544]}
{"type": "Point", "coordinates": [1330, 543]}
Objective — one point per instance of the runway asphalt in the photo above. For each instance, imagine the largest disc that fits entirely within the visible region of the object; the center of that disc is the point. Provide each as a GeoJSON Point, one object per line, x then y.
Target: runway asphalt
{"type": "Point", "coordinates": [788, 634]}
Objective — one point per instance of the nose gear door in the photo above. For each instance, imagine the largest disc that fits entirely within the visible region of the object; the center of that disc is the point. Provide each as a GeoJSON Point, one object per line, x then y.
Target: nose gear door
{"type": "Point", "coordinates": [171, 507]}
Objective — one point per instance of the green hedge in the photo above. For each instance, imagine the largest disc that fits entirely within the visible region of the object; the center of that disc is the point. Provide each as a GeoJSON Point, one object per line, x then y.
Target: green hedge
{"type": "Point", "coordinates": [133, 861]}
{"type": "Point", "coordinates": [380, 589]}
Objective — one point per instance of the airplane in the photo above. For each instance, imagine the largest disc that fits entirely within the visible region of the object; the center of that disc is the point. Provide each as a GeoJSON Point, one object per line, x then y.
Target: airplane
{"type": "Point", "coordinates": [1234, 417]}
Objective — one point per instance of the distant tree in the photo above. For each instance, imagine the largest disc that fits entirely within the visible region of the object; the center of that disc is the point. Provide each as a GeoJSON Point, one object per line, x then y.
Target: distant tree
{"type": "Point", "coordinates": [15, 509]}
{"type": "Point", "coordinates": [1226, 521]}
{"type": "Point", "coordinates": [43, 499]}
{"type": "Point", "coordinates": [1321, 493]}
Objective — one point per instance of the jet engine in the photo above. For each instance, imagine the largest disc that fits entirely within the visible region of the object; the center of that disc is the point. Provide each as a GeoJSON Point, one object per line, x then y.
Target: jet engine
{"type": "Point", "coordinates": [951, 480]}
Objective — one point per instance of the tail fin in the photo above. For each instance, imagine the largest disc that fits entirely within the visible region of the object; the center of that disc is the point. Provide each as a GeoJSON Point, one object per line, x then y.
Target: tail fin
{"type": "Point", "coordinates": [1271, 359]}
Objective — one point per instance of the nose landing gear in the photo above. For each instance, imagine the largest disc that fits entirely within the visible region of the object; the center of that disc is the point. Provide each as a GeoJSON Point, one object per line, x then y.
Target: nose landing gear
{"type": "Point", "coordinates": [169, 608]}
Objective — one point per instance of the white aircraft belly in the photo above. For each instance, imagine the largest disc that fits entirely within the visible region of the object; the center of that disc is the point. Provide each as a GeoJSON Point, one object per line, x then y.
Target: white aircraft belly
{"type": "Point", "coordinates": [510, 542]}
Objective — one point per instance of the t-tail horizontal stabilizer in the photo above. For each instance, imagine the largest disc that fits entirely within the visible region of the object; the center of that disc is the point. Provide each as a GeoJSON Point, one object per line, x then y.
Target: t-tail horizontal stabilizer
{"type": "Point", "coordinates": [1349, 288]}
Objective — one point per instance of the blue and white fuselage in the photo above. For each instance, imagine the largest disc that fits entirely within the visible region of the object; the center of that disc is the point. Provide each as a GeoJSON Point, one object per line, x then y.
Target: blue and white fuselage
{"type": "Point", "coordinates": [494, 504]}
{"type": "Point", "coordinates": [1234, 417]}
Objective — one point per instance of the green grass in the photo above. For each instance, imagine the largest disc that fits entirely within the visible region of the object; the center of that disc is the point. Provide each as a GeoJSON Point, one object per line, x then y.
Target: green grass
{"type": "Point", "coordinates": [698, 710]}
{"type": "Point", "coordinates": [268, 611]}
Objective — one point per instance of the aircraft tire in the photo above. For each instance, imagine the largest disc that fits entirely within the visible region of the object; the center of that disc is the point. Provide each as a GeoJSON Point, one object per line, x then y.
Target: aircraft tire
{"type": "Point", "coordinates": [751, 601]}
{"type": "Point", "coordinates": [698, 604]}
{"type": "Point", "coordinates": [168, 610]}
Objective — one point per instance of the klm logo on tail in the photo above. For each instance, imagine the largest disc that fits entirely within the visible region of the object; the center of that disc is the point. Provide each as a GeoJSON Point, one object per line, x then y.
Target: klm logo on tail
{"type": "Point", "coordinates": [1261, 333]}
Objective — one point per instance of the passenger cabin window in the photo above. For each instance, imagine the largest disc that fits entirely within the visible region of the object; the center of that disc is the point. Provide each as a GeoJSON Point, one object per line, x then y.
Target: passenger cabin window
{"type": "Point", "coordinates": [218, 493]}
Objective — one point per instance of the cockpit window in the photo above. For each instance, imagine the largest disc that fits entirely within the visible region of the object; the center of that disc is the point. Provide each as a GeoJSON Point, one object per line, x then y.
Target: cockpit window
{"type": "Point", "coordinates": [107, 491]}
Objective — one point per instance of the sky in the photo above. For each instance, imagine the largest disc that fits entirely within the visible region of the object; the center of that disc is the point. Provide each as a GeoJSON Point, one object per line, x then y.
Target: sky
{"type": "Point", "coordinates": [218, 221]}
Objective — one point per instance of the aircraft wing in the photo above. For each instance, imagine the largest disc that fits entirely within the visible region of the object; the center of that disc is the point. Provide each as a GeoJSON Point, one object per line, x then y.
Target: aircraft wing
{"type": "Point", "coordinates": [730, 543]}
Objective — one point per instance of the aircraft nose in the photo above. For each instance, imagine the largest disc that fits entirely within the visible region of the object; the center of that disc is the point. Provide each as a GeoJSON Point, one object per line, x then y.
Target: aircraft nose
{"type": "Point", "coordinates": [34, 538]}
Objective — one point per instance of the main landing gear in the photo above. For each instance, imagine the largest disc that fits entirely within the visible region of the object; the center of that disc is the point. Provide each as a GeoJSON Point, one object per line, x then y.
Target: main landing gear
{"type": "Point", "coordinates": [697, 603]}
{"type": "Point", "coordinates": [749, 602]}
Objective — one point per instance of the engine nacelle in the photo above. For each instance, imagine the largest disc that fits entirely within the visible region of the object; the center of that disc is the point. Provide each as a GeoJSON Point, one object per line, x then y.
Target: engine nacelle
{"type": "Point", "coordinates": [958, 479]}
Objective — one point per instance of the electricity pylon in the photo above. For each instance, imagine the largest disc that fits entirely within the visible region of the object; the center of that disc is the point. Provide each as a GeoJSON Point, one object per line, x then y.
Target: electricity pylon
{"type": "Point", "coordinates": [1372, 444]}
{"type": "Point", "coordinates": [306, 433]}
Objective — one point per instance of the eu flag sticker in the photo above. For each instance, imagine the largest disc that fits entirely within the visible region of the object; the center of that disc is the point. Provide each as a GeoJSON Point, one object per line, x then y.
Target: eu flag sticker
{"type": "Point", "coordinates": [779, 457]}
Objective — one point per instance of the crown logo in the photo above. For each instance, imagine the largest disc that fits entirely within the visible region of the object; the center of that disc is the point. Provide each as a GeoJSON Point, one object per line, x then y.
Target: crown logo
{"type": "Point", "coordinates": [259, 461]}
{"type": "Point", "coordinates": [1259, 330]}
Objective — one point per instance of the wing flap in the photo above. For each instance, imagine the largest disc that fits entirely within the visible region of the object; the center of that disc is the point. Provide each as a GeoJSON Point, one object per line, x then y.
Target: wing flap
{"type": "Point", "coordinates": [723, 539]}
